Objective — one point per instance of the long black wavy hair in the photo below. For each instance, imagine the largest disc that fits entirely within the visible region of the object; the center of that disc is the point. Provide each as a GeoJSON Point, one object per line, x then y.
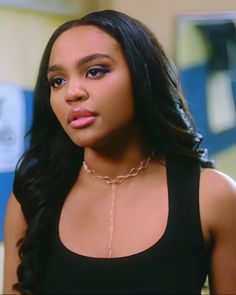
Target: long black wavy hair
{"type": "Point", "coordinates": [51, 164]}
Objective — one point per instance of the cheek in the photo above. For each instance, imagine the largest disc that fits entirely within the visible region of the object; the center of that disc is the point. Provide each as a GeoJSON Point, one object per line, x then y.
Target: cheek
{"type": "Point", "coordinates": [119, 94]}
{"type": "Point", "coordinates": [118, 108]}
{"type": "Point", "coordinates": [123, 100]}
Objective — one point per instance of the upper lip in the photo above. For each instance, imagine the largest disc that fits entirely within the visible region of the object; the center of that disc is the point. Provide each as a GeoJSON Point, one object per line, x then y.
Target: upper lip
{"type": "Point", "coordinates": [79, 113]}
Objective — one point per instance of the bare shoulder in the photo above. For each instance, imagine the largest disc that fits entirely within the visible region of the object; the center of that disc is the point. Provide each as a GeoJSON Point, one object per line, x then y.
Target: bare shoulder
{"type": "Point", "coordinates": [217, 200]}
{"type": "Point", "coordinates": [12, 202]}
{"type": "Point", "coordinates": [14, 229]}
{"type": "Point", "coordinates": [14, 213]}
{"type": "Point", "coordinates": [218, 218]}
{"type": "Point", "coordinates": [15, 223]}
{"type": "Point", "coordinates": [217, 185]}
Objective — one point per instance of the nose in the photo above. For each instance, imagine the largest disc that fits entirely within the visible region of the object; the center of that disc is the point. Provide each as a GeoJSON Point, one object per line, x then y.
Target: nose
{"type": "Point", "coordinates": [75, 91]}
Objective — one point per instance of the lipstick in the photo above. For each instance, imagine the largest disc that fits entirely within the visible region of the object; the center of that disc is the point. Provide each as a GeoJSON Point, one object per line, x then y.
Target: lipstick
{"type": "Point", "coordinates": [81, 117]}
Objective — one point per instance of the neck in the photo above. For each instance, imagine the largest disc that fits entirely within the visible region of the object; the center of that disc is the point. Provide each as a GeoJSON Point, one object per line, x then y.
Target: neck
{"type": "Point", "coordinates": [113, 165]}
{"type": "Point", "coordinates": [114, 181]}
{"type": "Point", "coordinates": [121, 178]}
{"type": "Point", "coordinates": [119, 153]}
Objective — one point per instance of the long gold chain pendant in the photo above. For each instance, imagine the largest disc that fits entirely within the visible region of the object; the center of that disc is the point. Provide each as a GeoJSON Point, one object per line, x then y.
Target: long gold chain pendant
{"type": "Point", "coordinates": [112, 217]}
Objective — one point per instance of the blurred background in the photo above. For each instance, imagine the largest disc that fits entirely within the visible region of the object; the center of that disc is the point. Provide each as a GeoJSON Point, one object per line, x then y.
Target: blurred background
{"type": "Point", "coordinates": [198, 35]}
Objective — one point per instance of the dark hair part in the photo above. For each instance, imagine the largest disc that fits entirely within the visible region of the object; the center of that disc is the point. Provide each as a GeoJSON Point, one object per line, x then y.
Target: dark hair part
{"type": "Point", "coordinates": [50, 166]}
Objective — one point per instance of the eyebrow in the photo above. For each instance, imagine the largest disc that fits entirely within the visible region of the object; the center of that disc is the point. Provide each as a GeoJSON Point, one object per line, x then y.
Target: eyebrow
{"type": "Point", "coordinates": [81, 61]}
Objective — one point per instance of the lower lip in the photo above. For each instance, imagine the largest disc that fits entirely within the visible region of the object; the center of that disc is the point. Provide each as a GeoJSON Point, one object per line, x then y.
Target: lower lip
{"type": "Point", "coordinates": [82, 122]}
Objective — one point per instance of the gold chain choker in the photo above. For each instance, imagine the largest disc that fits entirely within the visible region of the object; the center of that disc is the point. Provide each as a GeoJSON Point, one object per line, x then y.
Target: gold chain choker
{"type": "Point", "coordinates": [114, 182]}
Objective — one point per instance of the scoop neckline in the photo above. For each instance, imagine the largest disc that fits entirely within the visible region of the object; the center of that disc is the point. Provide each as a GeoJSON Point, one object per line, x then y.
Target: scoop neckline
{"type": "Point", "coordinates": [146, 251]}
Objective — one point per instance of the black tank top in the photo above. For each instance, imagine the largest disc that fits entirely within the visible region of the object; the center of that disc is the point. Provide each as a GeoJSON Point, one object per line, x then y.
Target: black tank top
{"type": "Point", "coordinates": [176, 264]}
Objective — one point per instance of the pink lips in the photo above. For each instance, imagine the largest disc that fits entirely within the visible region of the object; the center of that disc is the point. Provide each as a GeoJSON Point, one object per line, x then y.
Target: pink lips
{"type": "Point", "coordinates": [79, 118]}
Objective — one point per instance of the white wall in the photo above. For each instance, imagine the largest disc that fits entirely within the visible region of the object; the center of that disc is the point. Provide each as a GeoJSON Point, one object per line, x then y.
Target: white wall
{"type": "Point", "coordinates": [160, 15]}
{"type": "Point", "coordinates": [23, 36]}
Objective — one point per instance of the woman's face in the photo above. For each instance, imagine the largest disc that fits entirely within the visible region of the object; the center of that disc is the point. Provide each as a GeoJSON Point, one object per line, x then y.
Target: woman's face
{"type": "Point", "coordinates": [91, 93]}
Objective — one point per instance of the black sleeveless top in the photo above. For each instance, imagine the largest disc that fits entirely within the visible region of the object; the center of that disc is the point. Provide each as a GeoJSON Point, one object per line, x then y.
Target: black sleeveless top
{"type": "Point", "coordinates": [176, 264]}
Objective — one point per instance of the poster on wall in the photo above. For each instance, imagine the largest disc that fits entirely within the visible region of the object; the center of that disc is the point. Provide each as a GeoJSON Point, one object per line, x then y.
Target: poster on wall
{"type": "Point", "coordinates": [12, 126]}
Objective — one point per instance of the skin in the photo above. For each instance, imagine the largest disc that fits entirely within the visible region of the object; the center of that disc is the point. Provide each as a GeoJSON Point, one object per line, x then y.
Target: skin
{"type": "Point", "coordinates": [80, 80]}
{"type": "Point", "coordinates": [113, 145]}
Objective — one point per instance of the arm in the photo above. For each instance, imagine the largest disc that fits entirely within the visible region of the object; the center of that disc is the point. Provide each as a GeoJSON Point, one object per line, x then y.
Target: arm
{"type": "Point", "coordinates": [218, 192]}
{"type": "Point", "coordinates": [14, 229]}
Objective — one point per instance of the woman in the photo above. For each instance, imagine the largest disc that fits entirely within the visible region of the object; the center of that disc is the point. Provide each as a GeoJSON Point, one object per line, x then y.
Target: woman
{"type": "Point", "coordinates": [115, 194]}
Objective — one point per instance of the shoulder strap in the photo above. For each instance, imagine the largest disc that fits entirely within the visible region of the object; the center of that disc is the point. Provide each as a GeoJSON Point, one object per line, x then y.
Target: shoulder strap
{"type": "Point", "coordinates": [183, 175]}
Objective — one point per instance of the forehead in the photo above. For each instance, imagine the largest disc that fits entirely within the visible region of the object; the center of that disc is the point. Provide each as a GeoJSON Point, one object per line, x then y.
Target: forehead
{"type": "Point", "coordinates": [83, 40]}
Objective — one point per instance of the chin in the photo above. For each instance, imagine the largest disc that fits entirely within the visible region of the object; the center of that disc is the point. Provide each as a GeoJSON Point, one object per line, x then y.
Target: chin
{"type": "Point", "coordinates": [101, 140]}
{"type": "Point", "coordinates": [88, 142]}
{"type": "Point", "coordinates": [98, 144]}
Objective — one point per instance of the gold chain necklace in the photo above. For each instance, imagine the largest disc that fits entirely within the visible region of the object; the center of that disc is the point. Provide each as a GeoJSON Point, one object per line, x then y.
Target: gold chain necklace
{"type": "Point", "coordinates": [114, 182]}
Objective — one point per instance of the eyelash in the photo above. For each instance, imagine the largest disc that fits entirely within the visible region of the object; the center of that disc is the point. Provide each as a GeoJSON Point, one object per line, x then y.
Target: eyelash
{"type": "Point", "coordinates": [55, 81]}
{"type": "Point", "coordinates": [95, 73]}
{"type": "Point", "coordinates": [98, 70]}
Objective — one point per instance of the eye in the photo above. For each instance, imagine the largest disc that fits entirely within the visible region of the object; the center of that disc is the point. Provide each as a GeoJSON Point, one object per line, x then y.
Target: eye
{"type": "Point", "coordinates": [96, 72]}
{"type": "Point", "coordinates": [57, 82]}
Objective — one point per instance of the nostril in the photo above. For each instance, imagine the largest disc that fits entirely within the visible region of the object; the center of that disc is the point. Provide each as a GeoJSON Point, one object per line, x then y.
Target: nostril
{"type": "Point", "coordinates": [76, 94]}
